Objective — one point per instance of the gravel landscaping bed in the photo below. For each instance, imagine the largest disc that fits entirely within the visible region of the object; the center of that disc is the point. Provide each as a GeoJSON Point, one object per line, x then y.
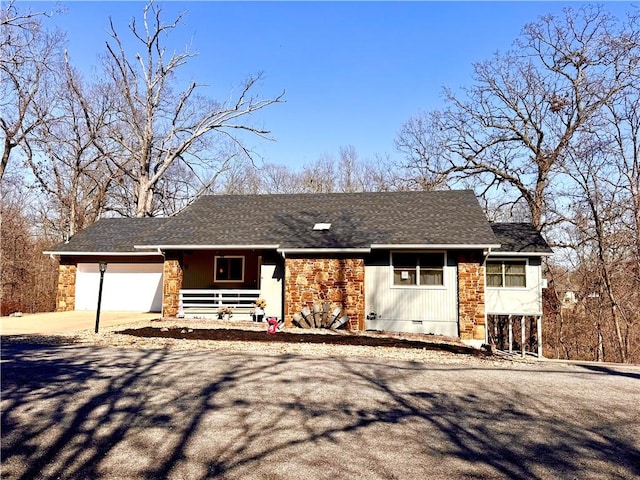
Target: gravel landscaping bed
{"type": "Point", "coordinates": [252, 338]}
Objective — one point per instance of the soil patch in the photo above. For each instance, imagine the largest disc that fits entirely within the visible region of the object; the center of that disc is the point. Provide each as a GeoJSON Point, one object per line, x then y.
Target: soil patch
{"type": "Point", "coordinates": [238, 335]}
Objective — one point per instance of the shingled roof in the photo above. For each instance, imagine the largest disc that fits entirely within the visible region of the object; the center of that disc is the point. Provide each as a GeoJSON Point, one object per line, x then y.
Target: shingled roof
{"type": "Point", "coordinates": [111, 235]}
{"type": "Point", "coordinates": [519, 238]}
{"type": "Point", "coordinates": [452, 219]}
{"type": "Point", "coordinates": [357, 220]}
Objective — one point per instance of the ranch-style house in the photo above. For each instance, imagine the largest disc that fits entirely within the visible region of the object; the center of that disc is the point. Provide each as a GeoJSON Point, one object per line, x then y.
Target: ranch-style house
{"type": "Point", "coordinates": [425, 262]}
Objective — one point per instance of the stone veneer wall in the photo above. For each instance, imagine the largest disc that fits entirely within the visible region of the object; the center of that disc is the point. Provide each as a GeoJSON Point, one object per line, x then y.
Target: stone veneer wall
{"type": "Point", "coordinates": [471, 297]}
{"type": "Point", "coordinates": [172, 283]}
{"type": "Point", "coordinates": [66, 295]}
{"type": "Point", "coordinates": [336, 280]}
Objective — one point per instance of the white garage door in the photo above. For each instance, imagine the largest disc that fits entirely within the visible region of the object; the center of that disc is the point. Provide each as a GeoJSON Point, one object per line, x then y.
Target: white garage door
{"type": "Point", "coordinates": [128, 287]}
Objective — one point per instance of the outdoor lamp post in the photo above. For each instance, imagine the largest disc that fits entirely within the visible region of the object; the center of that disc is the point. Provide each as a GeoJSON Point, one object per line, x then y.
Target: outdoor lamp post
{"type": "Point", "coordinates": [103, 268]}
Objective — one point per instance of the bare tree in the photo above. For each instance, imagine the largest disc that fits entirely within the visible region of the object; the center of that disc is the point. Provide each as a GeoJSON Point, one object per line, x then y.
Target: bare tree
{"type": "Point", "coordinates": [71, 167]}
{"type": "Point", "coordinates": [350, 171]}
{"type": "Point", "coordinates": [596, 208]}
{"type": "Point", "coordinates": [601, 178]}
{"type": "Point", "coordinates": [425, 166]}
{"type": "Point", "coordinates": [240, 176]}
{"type": "Point", "coordinates": [158, 128]}
{"type": "Point", "coordinates": [512, 130]}
{"type": "Point", "coordinates": [346, 173]}
{"type": "Point", "coordinates": [603, 210]}
{"type": "Point", "coordinates": [27, 278]}
{"type": "Point", "coordinates": [29, 57]}
{"type": "Point", "coordinates": [622, 138]}
{"type": "Point", "coordinates": [279, 179]}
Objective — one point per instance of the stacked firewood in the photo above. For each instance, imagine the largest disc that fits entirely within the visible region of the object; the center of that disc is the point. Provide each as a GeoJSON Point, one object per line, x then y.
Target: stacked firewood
{"type": "Point", "coordinates": [321, 316]}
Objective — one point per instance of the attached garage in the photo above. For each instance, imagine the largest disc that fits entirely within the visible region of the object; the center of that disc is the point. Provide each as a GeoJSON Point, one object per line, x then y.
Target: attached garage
{"type": "Point", "coordinates": [133, 280]}
{"type": "Point", "coordinates": [128, 287]}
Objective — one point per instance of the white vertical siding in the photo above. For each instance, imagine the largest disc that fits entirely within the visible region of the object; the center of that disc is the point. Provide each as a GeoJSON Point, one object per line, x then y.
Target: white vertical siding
{"type": "Point", "coordinates": [526, 301]}
{"type": "Point", "coordinates": [411, 309]}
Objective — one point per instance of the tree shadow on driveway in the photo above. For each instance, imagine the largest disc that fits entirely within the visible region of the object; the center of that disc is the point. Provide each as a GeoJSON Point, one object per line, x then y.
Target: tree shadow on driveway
{"type": "Point", "coordinates": [611, 371]}
{"type": "Point", "coordinates": [92, 412]}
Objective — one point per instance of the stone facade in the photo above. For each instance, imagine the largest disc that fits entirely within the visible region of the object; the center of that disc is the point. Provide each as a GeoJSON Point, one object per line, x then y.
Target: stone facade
{"type": "Point", "coordinates": [471, 306]}
{"type": "Point", "coordinates": [66, 295]}
{"type": "Point", "coordinates": [172, 279]}
{"type": "Point", "coordinates": [339, 281]}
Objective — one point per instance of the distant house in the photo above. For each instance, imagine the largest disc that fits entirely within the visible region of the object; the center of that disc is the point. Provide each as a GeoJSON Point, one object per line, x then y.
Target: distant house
{"type": "Point", "coordinates": [425, 262]}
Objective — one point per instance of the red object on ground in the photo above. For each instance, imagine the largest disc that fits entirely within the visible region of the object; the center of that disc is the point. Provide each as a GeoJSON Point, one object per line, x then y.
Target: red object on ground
{"type": "Point", "coordinates": [273, 325]}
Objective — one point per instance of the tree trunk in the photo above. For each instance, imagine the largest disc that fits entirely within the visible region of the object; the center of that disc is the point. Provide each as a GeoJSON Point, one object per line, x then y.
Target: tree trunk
{"type": "Point", "coordinates": [144, 203]}
{"type": "Point", "coordinates": [8, 145]}
{"type": "Point", "coordinates": [600, 346]}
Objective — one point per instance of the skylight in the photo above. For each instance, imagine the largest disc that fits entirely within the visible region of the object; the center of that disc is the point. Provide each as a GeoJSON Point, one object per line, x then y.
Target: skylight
{"type": "Point", "coordinates": [322, 226]}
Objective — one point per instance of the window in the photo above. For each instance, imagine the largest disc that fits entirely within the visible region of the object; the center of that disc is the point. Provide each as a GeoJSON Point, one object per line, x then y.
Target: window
{"type": "Point", "coordinates": [509, 274]}
{"type": "Point", "coordinates": [418, 269]}
{"type": "Point", "coordinates": [229, 269]}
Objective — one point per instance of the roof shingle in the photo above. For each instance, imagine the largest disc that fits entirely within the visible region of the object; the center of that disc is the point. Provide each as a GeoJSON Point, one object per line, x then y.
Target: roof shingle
{"type": "Point", "coordinates": [519, 238]}
{"type": "Point", "coordinates": [111, 235]}
{"type": "Point", "coordinates": [358, 220]}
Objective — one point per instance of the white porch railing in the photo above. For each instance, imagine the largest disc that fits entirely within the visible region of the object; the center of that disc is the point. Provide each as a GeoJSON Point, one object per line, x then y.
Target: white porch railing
{"type": "Point", "coordinates": [208, 302]}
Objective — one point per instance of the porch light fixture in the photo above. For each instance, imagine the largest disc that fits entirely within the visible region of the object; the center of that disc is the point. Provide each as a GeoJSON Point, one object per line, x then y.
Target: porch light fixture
{"type": "Point", "coordinates": [322, 226]}
{"type": "Point", "coordinates": [102, 266]}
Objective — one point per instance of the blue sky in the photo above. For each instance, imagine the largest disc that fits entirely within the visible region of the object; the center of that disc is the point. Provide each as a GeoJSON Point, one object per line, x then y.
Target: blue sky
{"type": "Point", "coordinates": [353, 72]}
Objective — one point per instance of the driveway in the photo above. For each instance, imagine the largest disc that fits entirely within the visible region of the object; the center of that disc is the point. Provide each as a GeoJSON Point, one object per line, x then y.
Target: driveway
{"type": "Point", "coordinates": [64, 322]}
{"type": "Point", "coordinates": [78, 411]}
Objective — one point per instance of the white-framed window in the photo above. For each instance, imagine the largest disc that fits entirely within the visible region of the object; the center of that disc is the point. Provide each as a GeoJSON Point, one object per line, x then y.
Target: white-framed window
{"type": "Point", "coordinates": [229, 269]}
{"type": "Point", "coordinates": [418, 268]}
{"type": "Point", "coordinates": [506, 273]}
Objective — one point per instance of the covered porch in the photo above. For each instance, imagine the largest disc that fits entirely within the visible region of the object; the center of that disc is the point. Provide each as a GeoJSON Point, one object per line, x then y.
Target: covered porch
{"type": "Point", "coordinates": [222, 283]}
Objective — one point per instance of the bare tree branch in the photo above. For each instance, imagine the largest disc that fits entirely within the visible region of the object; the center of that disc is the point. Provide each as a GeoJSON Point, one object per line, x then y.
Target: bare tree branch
{"type": "Point", "coordinates": [159, 128]}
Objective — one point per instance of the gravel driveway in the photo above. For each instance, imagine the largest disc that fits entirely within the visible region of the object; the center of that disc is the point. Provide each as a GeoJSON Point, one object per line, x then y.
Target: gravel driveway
{"type": "Point", "coordinates": [99, 411]}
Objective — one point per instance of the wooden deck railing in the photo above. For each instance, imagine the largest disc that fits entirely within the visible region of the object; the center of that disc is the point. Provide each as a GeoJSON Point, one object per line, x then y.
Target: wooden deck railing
{"type": "Point", "coordinates": [209, 302]}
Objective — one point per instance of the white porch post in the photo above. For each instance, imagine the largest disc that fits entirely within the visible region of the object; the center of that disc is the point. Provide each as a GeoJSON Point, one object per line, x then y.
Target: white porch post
{"type": "Point", "coordinates": [539, 328]}
{"type": "Point", "coordinates": [510, 334]}
{"type": "Point", "coordinates": [522, 334]}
